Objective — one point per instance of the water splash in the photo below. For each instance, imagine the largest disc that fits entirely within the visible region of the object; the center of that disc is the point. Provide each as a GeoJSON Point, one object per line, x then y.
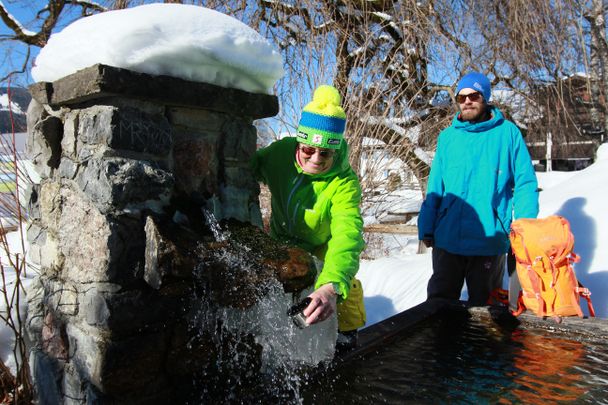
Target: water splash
{"type": "Point", "coordinates": [219, 234]}
{"type": "Point", "coordinates": [262, 355]}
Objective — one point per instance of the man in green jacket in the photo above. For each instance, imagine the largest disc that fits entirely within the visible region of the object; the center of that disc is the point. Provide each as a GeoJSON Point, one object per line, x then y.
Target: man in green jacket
{"type": "Point", "coordinates": [315, 205]}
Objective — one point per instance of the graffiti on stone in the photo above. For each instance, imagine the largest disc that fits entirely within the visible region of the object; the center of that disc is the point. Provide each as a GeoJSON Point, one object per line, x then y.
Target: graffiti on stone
{"type": "Point", "coordinates": [143, 136]}
{"type": "Point", "coordinates": [127, 129]}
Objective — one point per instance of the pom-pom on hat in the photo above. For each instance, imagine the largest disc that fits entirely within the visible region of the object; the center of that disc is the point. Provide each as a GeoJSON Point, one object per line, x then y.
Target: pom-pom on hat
{"type": "Point", "coordinates": [476, 81]}
{"type": "Point", "coordinates": [323, 120]}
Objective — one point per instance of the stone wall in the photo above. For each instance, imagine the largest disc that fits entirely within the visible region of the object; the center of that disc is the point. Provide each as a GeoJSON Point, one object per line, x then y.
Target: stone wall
{"type": "Point", "coordinates": [119, 153]}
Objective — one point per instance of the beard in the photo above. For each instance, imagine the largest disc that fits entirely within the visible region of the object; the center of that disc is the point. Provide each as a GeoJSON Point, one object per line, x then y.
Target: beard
{"type": "Point", "coordinates": [474, 113]}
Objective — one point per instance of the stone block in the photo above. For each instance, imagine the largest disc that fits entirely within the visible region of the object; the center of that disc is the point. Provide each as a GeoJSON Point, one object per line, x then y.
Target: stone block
{"type": "Point", "coordinates": [239, 140]}
{"type": "Point", "coordinates": [68, 169]}
{"type": "Point", "coordinates": [133, 312]}
{"type": "Point", "coordinates": [126, 247]}
{"type": "Point", "coordinates": [235, 203]}
{"type": "Point", "coordinates": [70, 133]}
{"type": "Point", "coordinates": [31, 196]}
{"type": "Point", "coordinates": [170, 251]}
{"type": "Point", "coordinates": [35, 309]}
{"type": "Point", "coordinates": [255, 215]}
{"type": "Point", "coordinates": [62, 297]}
{"type": "Point", "coordinates": [145, 106]}
{"type": "Point", "coordinates": [119, 184]}
{"type": "Point", "coordinates": [47, 374]}
{"type": "Point", "coordinates": [83, 234]}
{"type": "Point", "coordinates": [101, 81]}
{"type": "Point", "coordinates": [87, 350]}
{"type": "Point", "coordinates": [43, 142]}
{"type": "Point", "coordinates": [43, 249]}
{"type": "Point", "coordinates": [196, 119]}
{"type": "Point", "coordinates": [96, 247]}
{"type": "Point", "coordinates": [240, 177]}
{"type": "Point", "coordinates": [36, 238]}
{"type": "Point", "coordinates": [54, 340]}
{"type": "Point", "coordinates": [49, 201]}
{"type": "Point", "coordinates": [51, 257]}
{"type": "Point", "coordinates": [73, 386]}
{"type": "Point", "coordinates": [96, 312]}
{"type": "Point", "coordinates": [124, 128]}
{"type": "Point", "coordinates": [196, 162]}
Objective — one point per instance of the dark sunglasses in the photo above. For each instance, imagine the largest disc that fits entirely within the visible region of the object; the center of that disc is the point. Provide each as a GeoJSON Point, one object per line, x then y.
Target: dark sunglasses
{"type": "Point", "coordinates": [309, 150]}
{"type": "Point", "coordinates": [461, 98]}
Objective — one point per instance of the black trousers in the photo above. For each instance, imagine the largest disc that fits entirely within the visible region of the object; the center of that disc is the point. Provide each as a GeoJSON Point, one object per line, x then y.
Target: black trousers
{"type": "Point", "coordinates": [482, 274]}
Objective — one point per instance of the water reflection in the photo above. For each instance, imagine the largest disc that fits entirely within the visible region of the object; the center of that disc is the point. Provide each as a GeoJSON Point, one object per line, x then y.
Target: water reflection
{"type": "Point", "coordinates": [545, 369]}
{"type": "Point", "coordinates": [453, 359]}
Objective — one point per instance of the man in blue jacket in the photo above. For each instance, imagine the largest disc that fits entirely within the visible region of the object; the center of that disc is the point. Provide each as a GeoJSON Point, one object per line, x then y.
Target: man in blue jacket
{"type": "Point", "coordinates": [481, 177]}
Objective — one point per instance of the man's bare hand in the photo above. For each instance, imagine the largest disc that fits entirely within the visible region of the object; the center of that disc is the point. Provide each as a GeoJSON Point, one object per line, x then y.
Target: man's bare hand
{"type": "Point", "coordinates": [322, 306]}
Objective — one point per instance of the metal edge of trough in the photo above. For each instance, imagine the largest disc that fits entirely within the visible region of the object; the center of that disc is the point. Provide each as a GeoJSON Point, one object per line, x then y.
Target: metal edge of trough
{"type": "Point", "coordinates": [388, 330]}
{"type": "Point", "coordinates": [382, 333]}
{"type": "Point", "coordinates": [584, 328]}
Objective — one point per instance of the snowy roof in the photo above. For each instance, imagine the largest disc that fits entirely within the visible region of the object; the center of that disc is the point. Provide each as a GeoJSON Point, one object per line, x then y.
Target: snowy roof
{"type": "Point", "coordinates": [183, 41]}
{"type": "Point", "coordinates": [523, 110]}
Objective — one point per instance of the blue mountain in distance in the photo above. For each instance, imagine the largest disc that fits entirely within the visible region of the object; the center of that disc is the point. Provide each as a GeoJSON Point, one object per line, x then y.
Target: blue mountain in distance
{"type": "Point", "coordinates": [19, 96]}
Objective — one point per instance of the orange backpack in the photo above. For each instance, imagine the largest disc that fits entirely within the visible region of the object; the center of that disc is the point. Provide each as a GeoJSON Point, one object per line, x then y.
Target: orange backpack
{"type": "Point", "coordinates": [543, 251]}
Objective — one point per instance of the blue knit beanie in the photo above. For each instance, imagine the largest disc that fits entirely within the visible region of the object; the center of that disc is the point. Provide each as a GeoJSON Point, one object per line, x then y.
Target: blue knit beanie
{"type": "Point", "coordinates": [476, 81]}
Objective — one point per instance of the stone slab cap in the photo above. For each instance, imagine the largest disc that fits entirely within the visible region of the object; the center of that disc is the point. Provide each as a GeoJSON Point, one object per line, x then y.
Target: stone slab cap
{"type": "Point", "coordinates": [99, 81]}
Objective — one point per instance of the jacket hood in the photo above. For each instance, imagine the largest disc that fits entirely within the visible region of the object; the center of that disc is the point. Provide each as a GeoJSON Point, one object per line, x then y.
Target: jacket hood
{"type": "Point", "coordinates": [341, 163]}
{"type": "Point", "coordinates": [496, 119]}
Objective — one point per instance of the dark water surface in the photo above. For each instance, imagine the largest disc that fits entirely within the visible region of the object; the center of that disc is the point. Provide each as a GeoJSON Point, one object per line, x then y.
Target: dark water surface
{"type": "Point", "coordinates": [456, 359]}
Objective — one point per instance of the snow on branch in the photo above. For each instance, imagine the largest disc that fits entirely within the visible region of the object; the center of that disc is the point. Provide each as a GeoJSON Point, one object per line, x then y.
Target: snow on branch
{"type": "Point", "coordinates": [88, 5]}
{"type": "Point", "coordinates": [53, 11]}
{"type": "Point", "coordinates": [412, 134]}
{"type": "Point", "coordinates": [14, 24]}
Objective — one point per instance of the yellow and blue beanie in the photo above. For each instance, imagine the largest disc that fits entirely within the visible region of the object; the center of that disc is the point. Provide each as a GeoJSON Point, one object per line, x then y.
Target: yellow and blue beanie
{"type": "Point", "coordinates": [323, 120]}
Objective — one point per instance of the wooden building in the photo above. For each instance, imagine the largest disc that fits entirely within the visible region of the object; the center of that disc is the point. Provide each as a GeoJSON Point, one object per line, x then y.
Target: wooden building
{"type": "Point", "coordinates": [570, 126]}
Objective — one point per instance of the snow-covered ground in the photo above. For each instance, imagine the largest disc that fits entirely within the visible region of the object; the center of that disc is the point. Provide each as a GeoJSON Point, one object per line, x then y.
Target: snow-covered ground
{"type": "Point", "coordinates": [7, 283]}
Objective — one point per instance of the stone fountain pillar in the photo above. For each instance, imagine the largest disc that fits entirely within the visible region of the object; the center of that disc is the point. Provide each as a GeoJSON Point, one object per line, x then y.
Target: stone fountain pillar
{"type": "Point", "coordinates": [127, 161]}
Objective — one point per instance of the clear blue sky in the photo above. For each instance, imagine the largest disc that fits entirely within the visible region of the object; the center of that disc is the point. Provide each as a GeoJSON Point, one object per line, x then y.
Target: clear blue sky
{"type": "Point", "coordinates": [13, 52]}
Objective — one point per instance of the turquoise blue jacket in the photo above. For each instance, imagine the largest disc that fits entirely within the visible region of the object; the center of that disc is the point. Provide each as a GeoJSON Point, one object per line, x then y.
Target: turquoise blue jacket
{"type": "Point", "coordinates": [481, 178]}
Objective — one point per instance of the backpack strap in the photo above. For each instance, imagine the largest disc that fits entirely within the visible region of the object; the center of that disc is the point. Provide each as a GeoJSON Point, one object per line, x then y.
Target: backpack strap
{"type": "Point", "coordinates": [521, 307]}
{"type": "Point", "coordinates": [535, 281]}
{"type": "Point", "coordinates": [586, 294]}
{"type": "Point", "coordinates": [498, 296]}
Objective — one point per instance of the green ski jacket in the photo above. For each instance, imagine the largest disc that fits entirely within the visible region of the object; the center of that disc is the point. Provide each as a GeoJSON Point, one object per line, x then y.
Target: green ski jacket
{"type": "Point", "coordinates": [319, 213]}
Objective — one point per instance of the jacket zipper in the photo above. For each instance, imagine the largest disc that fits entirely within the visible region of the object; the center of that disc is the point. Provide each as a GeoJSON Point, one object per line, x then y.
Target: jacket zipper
{"type": "Point", "coordinates": [500, 222]}
{"type": "Point", "coordinates": [290, 221]}
{"type": "Point", "coordinates": [293, 216]}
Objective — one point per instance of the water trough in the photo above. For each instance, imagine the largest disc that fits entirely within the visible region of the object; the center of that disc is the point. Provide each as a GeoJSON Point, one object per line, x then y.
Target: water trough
{"type": "Point", "coordinates": [444, 352]}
